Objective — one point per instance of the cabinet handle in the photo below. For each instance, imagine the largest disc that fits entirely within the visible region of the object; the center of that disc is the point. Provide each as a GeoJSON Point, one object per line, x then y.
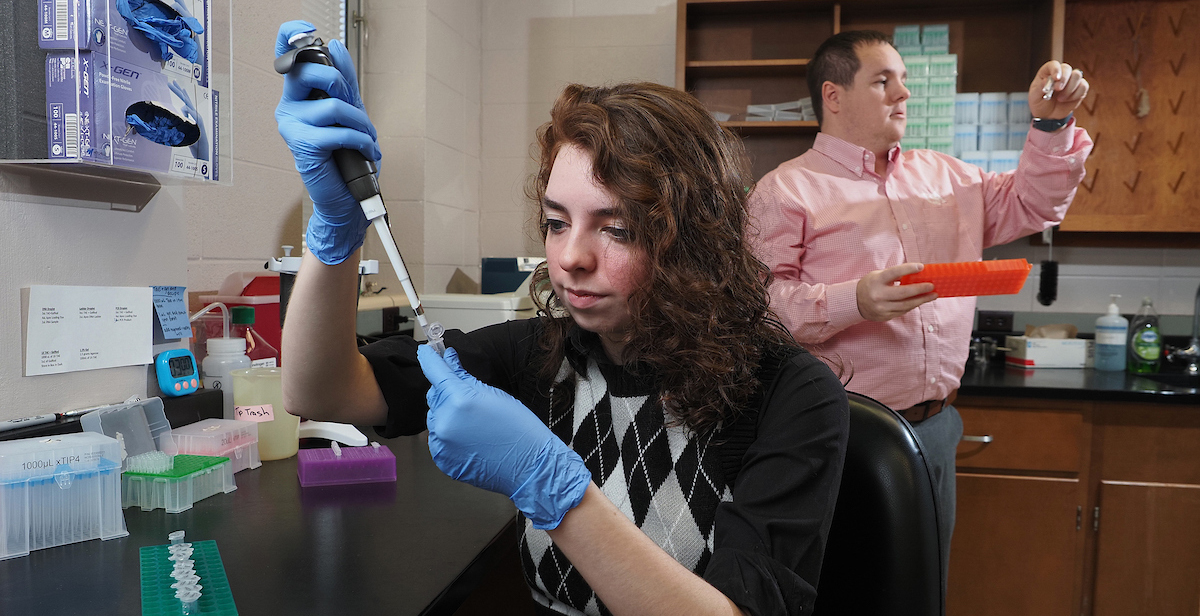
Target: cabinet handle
{"type": "Point", "coordinates": [987, 438]}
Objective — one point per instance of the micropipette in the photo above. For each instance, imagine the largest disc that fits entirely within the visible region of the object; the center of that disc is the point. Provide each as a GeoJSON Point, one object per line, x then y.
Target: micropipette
{"type": "Point", "coordinates": [359, 174]}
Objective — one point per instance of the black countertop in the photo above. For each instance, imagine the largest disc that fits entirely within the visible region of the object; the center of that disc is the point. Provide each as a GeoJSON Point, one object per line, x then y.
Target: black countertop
{"type": "Point", "coordinates": [996, 379]}
{"type": "Point", "coordinates": [416, 546]}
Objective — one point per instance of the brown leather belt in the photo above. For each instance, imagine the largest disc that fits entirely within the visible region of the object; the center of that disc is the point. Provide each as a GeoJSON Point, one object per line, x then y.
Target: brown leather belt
{"type": "Point", "coordinates": [927, 409]}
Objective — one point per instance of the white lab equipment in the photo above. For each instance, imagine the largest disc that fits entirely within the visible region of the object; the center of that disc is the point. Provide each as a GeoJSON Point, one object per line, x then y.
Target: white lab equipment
{"type": "Point", "coordinates": [993, 137]}
{"type": "Point", "coordinates": [943, 65]}
{"type": "Point", "coordinates": [1018, 108]}
{"type": "Point", "coordinates": [966, 108]}
{"type": "Point", "coordinates": [1017, 132]}
{"type": "Point", "coordinates": [993, 108]}
{"type": "Point", "coordinates": [966, 139]}
{"type": "Point", "coordinates": [975, 157]}
{"type": "Point", "coordinates": [1003, 160]}
{"type": "Point", "coordinates": [916, 65]}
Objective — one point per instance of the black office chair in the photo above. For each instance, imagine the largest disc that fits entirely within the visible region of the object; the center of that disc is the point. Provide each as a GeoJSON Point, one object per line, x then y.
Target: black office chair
{"type": "Point", "coordinates": [883, 555]}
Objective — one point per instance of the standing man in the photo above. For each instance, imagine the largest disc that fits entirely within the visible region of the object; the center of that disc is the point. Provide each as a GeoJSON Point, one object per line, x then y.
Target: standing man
{"type": "Point", "coordinates": [840, 224]}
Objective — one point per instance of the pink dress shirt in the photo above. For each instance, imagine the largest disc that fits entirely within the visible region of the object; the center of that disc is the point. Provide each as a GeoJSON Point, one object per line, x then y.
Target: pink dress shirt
{"type": "Point", "coordinates": [824, 219]}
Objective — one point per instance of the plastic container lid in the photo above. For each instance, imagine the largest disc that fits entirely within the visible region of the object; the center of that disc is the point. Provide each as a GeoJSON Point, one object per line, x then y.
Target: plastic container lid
{"type": "Point", "coordinates": [142, 425]}
{"type": "Point", "coordinates": [243, 315]}
{"type": "Point", "coordinates": [226, 346]}
{"type": "Point", "coordinates": [215, 437]}
{"type": "Point", "coordinates": [41, 456]}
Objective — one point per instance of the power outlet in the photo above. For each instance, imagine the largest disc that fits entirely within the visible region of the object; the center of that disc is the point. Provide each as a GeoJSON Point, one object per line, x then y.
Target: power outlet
{"type": "Point", "coordinates": [995, 321]}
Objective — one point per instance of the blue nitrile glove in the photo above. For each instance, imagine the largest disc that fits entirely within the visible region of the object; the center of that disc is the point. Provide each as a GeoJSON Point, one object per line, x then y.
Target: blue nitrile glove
{"type": "Point", "coordinates": [487, 438]}
{"type": "Point", "coordinates": [313, 129]}
{"type": "Point", "coordinates": [171, 28]}
{"type": "Point", "coordinates": [200, 147]}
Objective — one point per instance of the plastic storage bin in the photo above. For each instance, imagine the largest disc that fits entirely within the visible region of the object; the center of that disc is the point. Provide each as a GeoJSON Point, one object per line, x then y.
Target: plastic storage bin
{"type": "Point", "coordinates": [193, 478]}
{"type": "Point", "coordinates": [229, 438]}
{"type": "Point", "coordinates": [59, 490]}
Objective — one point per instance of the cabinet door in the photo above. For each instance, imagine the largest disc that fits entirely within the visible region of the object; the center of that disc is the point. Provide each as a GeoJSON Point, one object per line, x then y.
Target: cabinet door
{"type": "Point", "coordinates": [1016, 546]}
{"type": "Point", "coordinates": [1148, 550]}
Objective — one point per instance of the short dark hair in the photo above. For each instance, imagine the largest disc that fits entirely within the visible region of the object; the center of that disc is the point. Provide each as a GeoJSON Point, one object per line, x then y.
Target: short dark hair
{"type": "Point", "coordinates": [836, 60]}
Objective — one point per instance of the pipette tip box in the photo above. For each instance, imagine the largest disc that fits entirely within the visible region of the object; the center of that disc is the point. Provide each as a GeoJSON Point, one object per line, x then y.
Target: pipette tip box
{"type": "Point", "coordinates": [230, 438]}
{"type": "Point", "coordinates": [998, 277]}
{"type": "Point", "coordinates": [346, 465]}
{"type": "Point", "coordinates": [58, 490]}
{"type": "Point", "coordinates": [192, 479]}
{"type": "Point", "coordinates": [158, 599]}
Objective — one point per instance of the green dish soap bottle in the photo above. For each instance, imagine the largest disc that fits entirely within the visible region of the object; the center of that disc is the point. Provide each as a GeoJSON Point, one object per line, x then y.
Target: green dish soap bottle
{"type": "Point", "coordinates": [1145, 344]}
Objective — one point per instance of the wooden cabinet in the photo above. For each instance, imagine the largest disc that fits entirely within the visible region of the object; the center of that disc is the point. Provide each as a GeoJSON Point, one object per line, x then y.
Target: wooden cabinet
{"type": "Point", "coordinates": [1074, 507]}
{"type": "Point", "coordinates": [732, 53]}
{"type": "Point", "coordinates": [1016, 546]}
{"type": "Point", "coordinates": [1018, 539]}
{"type": "Point", "coordinates": [1148, 495]}
{"type": "Point", "coordinates": [1139, 58]}
{"type": "Point", "coordinates": [1148, 550]}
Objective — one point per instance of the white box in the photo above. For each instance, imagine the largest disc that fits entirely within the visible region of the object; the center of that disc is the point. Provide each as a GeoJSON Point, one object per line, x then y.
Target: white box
{"type": "Point", "coordinates": [468, 312]}
{"type": "Point", "coordinates": [1045, 352]}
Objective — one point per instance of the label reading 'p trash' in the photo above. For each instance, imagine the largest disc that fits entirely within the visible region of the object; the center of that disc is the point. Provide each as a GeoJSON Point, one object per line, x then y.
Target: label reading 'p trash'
{"type": "Point", "coordinates": [260, 413]}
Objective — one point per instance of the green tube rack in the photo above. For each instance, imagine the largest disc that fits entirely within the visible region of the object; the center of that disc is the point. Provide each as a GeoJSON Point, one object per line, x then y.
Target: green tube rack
{"type": "Point", "coordinates": [158, 599]}
{"type": "Point", "coordinates": [192, 479]}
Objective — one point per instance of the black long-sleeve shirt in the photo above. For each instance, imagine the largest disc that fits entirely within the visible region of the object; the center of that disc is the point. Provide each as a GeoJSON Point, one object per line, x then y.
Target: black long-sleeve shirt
{"type": "Point", "coordinates": [775, 472]}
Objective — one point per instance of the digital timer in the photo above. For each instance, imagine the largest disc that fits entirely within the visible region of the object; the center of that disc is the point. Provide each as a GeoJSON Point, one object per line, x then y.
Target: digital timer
{"type": "Point", "coordinates": [177, 374]}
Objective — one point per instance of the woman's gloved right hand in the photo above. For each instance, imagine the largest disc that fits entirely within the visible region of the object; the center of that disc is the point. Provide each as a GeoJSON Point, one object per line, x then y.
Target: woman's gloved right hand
{"type": "Point", "coordinates": [313, 129]}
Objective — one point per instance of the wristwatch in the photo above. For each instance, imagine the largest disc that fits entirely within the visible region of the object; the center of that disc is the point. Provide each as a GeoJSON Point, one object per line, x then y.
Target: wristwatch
{"type": "Point", "coordinates": [1050, 126]}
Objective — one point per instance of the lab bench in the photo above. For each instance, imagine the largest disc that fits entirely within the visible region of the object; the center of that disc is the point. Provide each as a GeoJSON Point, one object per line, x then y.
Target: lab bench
{"type": "Point", "coordinates": [416, 546]}
{"type": "Point", "coordinates": [1078, 493]}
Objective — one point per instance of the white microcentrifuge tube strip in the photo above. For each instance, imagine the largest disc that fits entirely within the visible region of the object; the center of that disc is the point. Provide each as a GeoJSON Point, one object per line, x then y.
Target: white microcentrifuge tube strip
{"type": "Point", "coordinates": [373, 208]}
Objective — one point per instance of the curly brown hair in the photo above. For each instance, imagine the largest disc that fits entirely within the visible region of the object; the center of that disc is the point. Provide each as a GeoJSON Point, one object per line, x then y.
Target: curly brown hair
{"type": "Point", "coordinates": [701, 321]}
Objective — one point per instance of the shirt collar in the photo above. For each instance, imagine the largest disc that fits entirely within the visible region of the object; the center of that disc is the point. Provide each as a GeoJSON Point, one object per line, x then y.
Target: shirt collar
{"type": "Point", "coordinates": [856, 159]}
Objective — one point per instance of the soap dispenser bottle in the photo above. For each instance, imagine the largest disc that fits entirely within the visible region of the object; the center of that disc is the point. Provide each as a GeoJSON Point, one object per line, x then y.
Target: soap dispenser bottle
{"type": "Point", "coordinates": [1145, 344]}
{"type": "Point", "coordinates": [1111, 332]}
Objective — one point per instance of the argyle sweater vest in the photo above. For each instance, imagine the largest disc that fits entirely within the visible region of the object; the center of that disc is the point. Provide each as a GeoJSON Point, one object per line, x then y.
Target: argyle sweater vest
{"type": "Point", "coordinates": [666, 481]}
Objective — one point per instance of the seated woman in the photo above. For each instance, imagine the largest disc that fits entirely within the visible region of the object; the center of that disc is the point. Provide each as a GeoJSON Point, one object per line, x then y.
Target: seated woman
{"type": "Point", "coordinates": [669, 447]}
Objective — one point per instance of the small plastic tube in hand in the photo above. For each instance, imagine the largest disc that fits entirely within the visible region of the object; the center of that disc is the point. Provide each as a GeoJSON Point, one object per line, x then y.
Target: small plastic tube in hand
{"type": "Point", "coordinates": [483, 436]}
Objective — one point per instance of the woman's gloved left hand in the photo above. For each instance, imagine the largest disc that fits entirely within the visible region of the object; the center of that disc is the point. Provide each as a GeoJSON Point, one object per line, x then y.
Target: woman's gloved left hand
{"type": "Point", "coordinates": [487, 438]}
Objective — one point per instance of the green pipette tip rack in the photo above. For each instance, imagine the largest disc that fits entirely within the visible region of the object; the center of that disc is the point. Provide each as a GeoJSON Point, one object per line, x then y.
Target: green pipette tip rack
{"type": "Point", "coordinates": [158, 599]}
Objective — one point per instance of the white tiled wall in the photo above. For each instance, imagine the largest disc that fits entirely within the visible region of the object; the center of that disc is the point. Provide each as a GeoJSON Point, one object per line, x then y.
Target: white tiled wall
{"type": "Point", "coordinates": [1086, 277]}
{"type": "Point", "coordinates": [423, 94]}
{"type": "Point", "coordinates": [531, 49]}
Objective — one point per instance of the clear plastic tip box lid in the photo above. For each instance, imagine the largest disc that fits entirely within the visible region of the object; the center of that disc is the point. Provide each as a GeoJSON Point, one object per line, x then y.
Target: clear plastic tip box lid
{"type": "Point", "coordinates": [233, 439]}
{"type": "Point", "coordinates": [58, 490]}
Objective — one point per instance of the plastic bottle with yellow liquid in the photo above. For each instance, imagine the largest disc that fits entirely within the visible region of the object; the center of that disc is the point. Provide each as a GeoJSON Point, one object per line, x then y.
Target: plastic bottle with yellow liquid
{"type": "Point", "coordinates": [258, 396]}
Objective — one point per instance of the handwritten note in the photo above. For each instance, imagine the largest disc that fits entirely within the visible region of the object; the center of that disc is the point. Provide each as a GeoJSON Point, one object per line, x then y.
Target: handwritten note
{"type": "Point", "coordinates": [84, 328]}
{"type": "Point", "coordinates": [172, 312]}
{"type": "Point", "coordinates": [260, 413]}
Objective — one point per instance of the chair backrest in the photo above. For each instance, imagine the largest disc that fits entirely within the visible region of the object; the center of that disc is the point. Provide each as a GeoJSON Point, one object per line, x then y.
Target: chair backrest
{"type": "Point", "coordinates": [883, 554]}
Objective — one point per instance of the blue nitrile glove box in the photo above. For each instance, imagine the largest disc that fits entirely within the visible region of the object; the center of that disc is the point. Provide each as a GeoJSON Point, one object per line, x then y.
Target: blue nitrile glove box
{"type": "Point", "coordinates": [96, 25]}
{"type": "Point", "coordinates": [107, 138]}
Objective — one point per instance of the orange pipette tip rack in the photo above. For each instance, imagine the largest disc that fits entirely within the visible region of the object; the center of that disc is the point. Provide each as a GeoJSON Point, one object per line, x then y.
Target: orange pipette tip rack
{"type": "Point", "coordinates": [999, 277]}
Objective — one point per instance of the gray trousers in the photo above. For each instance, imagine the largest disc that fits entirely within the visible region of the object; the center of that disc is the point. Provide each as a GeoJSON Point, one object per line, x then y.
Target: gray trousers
{"type": "Point", "coordinates": [939, 437]}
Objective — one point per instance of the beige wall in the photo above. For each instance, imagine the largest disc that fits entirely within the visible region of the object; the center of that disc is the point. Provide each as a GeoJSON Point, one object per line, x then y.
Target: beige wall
{"type": "Point", "coordinates": [531, 49]}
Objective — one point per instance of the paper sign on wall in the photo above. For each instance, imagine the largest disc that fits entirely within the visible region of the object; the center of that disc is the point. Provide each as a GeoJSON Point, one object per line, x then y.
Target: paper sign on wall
{"type": "Point", "coordinates": [172, 312]}
{"type": "Point", "coordinates": [84, 328]}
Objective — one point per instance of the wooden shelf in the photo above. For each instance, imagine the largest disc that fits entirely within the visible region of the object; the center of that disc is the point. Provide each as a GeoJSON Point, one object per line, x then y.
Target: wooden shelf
{"type": "Point", "coordinates": [746, 68]}
{"type": "Point", "coordinates": [744, 127]}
